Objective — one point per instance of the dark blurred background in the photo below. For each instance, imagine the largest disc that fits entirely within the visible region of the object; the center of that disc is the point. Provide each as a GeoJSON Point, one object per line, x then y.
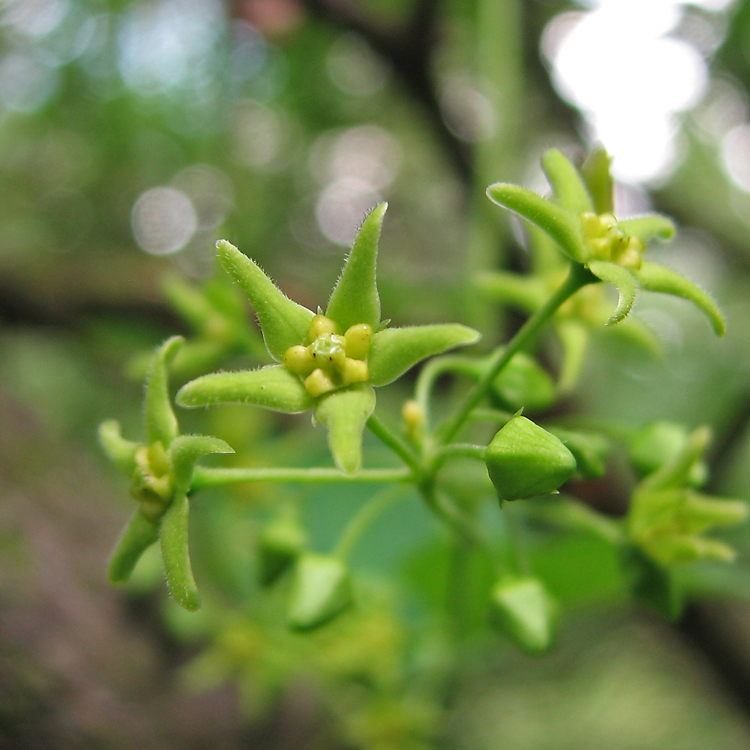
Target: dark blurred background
{"type": "Point", "coordinates": [135, 134]}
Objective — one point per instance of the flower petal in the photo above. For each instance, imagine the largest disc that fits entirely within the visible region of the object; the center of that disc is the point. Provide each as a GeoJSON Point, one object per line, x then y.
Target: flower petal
{"type": "Point", "coordinates": [561, 225]}
{"type": "Point", "coordinates": [161, 423]}
{"type": "Point", "coordinates": [623, 280]}
{"type": "Point", "coordinates": [395, 350]}
{"type": "Point", "coordinates": [136, 538]}
{"type": "Point", "coordinates": [284, 323]}
{"type": "Point", "coordinates": [648, 226]}
{"type": "Point", "coordinates": [273, 387]}
{"type": "Point", "coordinates": [185, 450]}
{"type": "Point", "coordinates": [658, 278]}
{"type": "Point", "coordinates": [355, 297]}
{"type": "Point", "coordinates": [596, 175]}
{"type": "Point", "coordinates": [120, 451]}
{"type": "Point", "coordinates": [569, 189]}
{"type": "Point", "coordinates": [345, 414]}
{"type": "Point", "coordinates": [173, 534]}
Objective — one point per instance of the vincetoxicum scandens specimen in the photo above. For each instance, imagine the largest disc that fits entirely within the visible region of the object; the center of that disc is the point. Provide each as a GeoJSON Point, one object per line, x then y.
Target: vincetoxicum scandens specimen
{"type": "Point", "coordinates": [161, 470]}
{"type": "Point", "coordinates": [327, 362]}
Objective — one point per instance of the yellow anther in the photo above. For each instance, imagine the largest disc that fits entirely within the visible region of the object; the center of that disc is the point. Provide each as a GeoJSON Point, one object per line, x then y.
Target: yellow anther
{"type": "Point", "coordinates": [412, 415]}
{"type": "Point", "coordinates": [358, 341]}
{"type": "Point", "coordinates": [354, 371]}
{"type": "Point", "coordinates": [318, 383]}
{"type": "Point", "coordinates": [321, 325]}
{"type": "Point", "coordinates": [299, 360]}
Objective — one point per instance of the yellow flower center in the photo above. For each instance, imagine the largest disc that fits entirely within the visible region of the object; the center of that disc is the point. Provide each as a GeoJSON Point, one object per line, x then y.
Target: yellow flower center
{"type": "Point", "coordinates": [606, 240]}
{"type": "Point", "coordinates": [152, 481]}
{"type": "Point", "coordinates": [330, 360]}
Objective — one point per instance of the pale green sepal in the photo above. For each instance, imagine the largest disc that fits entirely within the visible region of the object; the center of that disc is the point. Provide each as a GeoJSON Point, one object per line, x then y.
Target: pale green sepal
{"type": "Point", "coordinates": [526, 293]}
{"type": "Point", "coordinates": [119, 450]}
{"type": "Point", "coordinates": [355, 297]}
{"type": "Point", "coordinates": [136, 538]}
{"type": "Point", "coordinates": [395, 350]}
{"type": "Point", "coordinates": [173, 534]}
{"type": "Point", "coordinates": [161, 423]}
{"type": "Point", "coordinates": [284, 323]}
{"type": "Point", "coordinates": [561, 225]}
{"type": "Point", "coordinates": [574, 339]}
{"type": "Point", "coordinates": [648, 226]}
{"type": "Point", "coordinates": [321, 590]}
{"type": "Point", "coordinates": [273, 387]}
{"type": "Point", "coordinates": [569, 189]}
{"type": "Point", "coordinates": [185, 450]}
{"type": "Point", "coordinates": [345, 413]}
{"type": "Point", "coordinates": [596, 175]}
{"type": "Point", "coordinates": [658, 278]}
{"type": "Point", "coordinates": [525, 611]}
{"type": "Point", "coordinates": [623, 280]}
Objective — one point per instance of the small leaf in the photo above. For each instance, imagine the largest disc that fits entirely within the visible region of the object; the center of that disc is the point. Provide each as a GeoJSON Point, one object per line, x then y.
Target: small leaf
{"type": "Point", "coordinates": [161, 423]}
{"type": "Point", "coordinates": [395, 350]}
{"type": "Point", "coordinates": [185, 450]}
{"type": "Point", "coordinates": [355, 297]}
{"type": "Point", "coordinates": [273, 387]}
{"type": "Point", "coordinates": [173, 534]}
{"type": "Point", "coordinates": [525, 293]}
{"type": "Point", "coordinates": [120, 451]}
{"type": "Point", "coordinates": [562, 226]}
{"type": "Point", "coordinates": [524, 460]}
{"type": "Point", "coordinates": [284, 323]}
{"type": "Point", "coordinates": [345, 413]}
{"type": "Point", "coordinates": [136, 538]}
{"type": "Point", "coordinates": [648, 226]}
{"type": "Point", "coordinates": [568, 187]}
{"type": "Point", "coordinates": [320, 591]}
{"type": "Point", "coordinates": [658, 278]}
{"type": "Point", "coordinates": [596, 175]}
{"type": "Point", "coordinates": [525, 611]}
{"type": "Point", "coordinates": [623, 280]}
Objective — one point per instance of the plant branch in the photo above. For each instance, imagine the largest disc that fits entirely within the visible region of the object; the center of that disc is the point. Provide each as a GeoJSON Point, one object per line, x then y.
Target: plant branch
{"type": "Point", "coordinates": [395, 442]}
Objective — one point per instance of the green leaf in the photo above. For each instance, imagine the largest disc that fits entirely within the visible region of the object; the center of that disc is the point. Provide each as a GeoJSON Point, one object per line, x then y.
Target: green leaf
{"type": "Point", "coordinates": [185, 450]}
{"type": "Point", "coordinates": [320, 591]}
{"type": "Point", "coordinates": [623, 280]}
{"type": "Point", "coordinates": [273, 387]}
{"type": "Point", "coordinates": [118, 450]}
{"type": "Point", "coordinates": [527, 293]}
{"type": "Point", "coordinates": [161, 423]}
{"type": "Point", "coordinates": [596, 175]}
{"type": "Point", "coordinates": [525, 611]}
{"type": "Point", "coordinates": [562, 226]}
{"type": "Point", "coordinates": [173, 534]}
{"type": "Point", "coordinates": [569, 189]}
{"type": "Point", "coordinates": [648, 226]}
{"type": "Point", "coordinates": [284, 323]}
{"type": "Point", "coordinates": [395, 350]}
{"type": "Point", "coordinates": [658, 278]}
{"type": "Point", "coordinates": [136, 538]}
{"type": "Point", "coordinates": [355, 297]}
{"type": "Point", "coordinates": [345, 413]}
{"type": "Point", "coordinates": [524, 460]}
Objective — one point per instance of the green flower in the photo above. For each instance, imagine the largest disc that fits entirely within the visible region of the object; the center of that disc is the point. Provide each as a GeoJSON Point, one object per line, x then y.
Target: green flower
{"type": "Point", "coordinates": [327, 362]}
{"type": "Point", "coordinates": [580, 221]}
{"type": "Point", "coordinates": [161, 470]}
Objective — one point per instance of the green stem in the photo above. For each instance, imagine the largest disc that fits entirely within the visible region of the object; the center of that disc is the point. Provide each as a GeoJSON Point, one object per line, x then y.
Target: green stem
{"type": "Point", "coordinates": [459, 450]}
{"type": "Point", "coordinates": [364, 517]}
{"type": "Point", "coordinates": [395, 442]}
{"type": "Point", "coordinates": [577, 278]}
{"type": "Point", "coordinates": [429, 374]}
{"type": "Point", "coordinates": [210, 477]}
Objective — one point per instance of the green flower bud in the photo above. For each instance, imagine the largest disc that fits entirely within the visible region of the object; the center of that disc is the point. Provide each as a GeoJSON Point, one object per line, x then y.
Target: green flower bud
{"type": "Point", "coordinates": [358, 341]}
{"type": "Point", "coordinates": [525, 611]}
{"type": "Point", "coordinates": [524, 460]}
{"type": "Point", "coordinates": [320, 326]}
{"type": "Point", "coordinates": [321, 590]}
{"type": "Point", "coordinates": [281, 543]}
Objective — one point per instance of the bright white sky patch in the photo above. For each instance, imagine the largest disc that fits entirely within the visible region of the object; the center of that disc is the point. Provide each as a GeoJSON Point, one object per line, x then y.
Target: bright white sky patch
{"type": "Point", "coordinates": [618, 65]}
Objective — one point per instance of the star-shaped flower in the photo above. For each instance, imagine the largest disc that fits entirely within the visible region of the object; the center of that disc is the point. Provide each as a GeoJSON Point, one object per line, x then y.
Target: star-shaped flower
{"type": "Point", "coordinates": [161, 470]}
{"type": "Point", "coordinates": [328, 362]}
{"type": "Point", "coordinates": [580, 222]}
